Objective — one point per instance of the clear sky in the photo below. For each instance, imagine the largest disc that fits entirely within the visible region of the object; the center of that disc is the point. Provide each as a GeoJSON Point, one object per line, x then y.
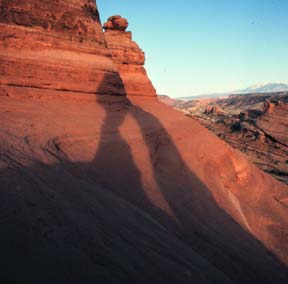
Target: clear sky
{"type": "Point", "coordinates": [201, 46]}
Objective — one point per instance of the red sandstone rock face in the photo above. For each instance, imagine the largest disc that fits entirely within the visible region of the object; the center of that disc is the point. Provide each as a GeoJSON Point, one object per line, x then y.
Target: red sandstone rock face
{"type": "Point", "coordinates": [55, 45]}
{"type": "Point", "coordinates": [106, 189]}
{"type": "Point", "coordinates": [77, 18]}
{"type": "Point", "coordinates": [274, 121]}
{"type": "Point", "coordinates": [116, 23]}
{"type": "Point", "coordinates": [128, 58]}
{"type": "Point", "coordinates": [124, 191]}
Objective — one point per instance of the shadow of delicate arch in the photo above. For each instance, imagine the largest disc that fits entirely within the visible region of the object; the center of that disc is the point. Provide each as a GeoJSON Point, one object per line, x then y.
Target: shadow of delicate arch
{"type": "Point", "coordinates": [87, 222]}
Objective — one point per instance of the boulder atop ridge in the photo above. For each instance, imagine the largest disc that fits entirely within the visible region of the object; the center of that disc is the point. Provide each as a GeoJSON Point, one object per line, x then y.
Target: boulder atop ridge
{"type": "Point", "coordinates": [128, 58]}
{"type": "Point", "coordinates": [101, 183]}
{"type": "Point", "coordinates": [116, 23]}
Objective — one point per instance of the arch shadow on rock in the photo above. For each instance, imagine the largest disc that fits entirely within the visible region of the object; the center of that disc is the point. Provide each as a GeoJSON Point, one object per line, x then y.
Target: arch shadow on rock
{"type": "Point", "coordinates": [94, 221]}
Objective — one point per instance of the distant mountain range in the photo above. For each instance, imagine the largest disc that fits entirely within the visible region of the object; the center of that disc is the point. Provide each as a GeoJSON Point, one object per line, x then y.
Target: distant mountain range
{"type": "Point", "coordinates": [257, 88]}
{"type": "Point", "coordinates": [264, 88]}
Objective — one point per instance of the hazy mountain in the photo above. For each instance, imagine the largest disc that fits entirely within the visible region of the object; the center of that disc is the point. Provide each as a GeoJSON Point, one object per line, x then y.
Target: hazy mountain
{"type": "Point", "coordinates": [256, 88]}
{"type": "Point", "coordinates": [263, 88]}
{"type": "Point", "coordinates": [205, 96]}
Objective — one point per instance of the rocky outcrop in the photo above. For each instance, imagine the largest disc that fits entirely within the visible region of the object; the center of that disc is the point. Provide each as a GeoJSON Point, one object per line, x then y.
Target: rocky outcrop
{"type": "Point", "coordinates": [117, 189]}
{"type": "Point", "coordinates": [273, 107]}
{"type": "Point", "coordinates": [213, 110]}
{"type": "Point", "coordinates": [274, 120]}
{"type": "Point", "coordinates": [256, 124]}
{"type": "Point", "coordinates": [56, 45]}
{"type": "Point", "coordinates": [116, 23]}
{"type": "Point", "coordinates": [128, 58]}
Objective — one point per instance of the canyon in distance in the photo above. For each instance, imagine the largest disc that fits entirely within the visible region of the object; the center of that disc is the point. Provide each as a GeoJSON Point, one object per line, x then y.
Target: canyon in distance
{"type": "Point", "coordinates": [102, 183]}
{"type": "Point", "coordinates": [254, 123]}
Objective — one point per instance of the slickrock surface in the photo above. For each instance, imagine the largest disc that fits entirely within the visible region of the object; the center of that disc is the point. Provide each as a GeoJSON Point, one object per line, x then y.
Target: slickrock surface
{"type": "Point", "coordinates": [128, 58]}
{"type": "Point", "coordinates": [119, 189]}
{"type": "Point", "coordinates": [111, 190]}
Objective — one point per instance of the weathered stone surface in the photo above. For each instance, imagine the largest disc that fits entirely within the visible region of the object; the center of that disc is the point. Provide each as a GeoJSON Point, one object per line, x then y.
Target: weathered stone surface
{"type": "Point", "coordinates": [55, 45]}
{"type": "Point", "coordinates": [116, 23]}
{"type": "Point", "coordinates": [274, 120]}
{"type": "Point", "coordinates": [79, 18]}
{"type": "Point", "coordinates": [117, 188]}
{"type": "Point", "coordinates": [111, 189]}
{"type": "Point", "coordinates": [128, 58]}
{"type": "Point", "coordinates": [213, 110]}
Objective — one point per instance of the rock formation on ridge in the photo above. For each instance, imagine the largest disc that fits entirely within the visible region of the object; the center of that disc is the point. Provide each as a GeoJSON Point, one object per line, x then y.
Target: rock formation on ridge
{"type": "Point", "coordinates": [274, 121]}
{"type": "Point", "coordinates": [55, 46]}
{"type": "Point", "coordinates": [128, 58]}
{"type": "Point", "coordinates": [116, 23]}
{"type": "Point", "coordinates": [115, 189]}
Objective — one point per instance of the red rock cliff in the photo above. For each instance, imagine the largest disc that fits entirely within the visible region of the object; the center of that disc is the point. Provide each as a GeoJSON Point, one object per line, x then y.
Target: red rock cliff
{"type": "Point", "coordinates": [106, 189]}
{"type": "Point", "coordinates": [128, 57]}
{"type": "Point", "coordinates": [56, 45]}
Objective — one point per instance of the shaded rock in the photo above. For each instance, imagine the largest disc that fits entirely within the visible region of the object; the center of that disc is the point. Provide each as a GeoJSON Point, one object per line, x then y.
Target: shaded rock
{"type": "Point", "coordinates": [260, 135]}
{"type": "Point", "coordinates": [243, 115]}
{"type": "Point", "coordinates": [111, 189]}
{"type": "Point", "coordinates": [213, 110]}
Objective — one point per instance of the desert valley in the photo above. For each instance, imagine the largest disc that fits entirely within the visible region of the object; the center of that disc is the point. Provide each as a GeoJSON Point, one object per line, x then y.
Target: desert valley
{"type": "Point", "coordinates": [256, 124]}
{"type": "Point", "coordinates": [102, 183]}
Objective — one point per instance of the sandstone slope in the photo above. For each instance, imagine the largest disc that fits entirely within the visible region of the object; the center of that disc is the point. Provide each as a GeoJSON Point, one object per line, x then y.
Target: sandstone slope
{"type": "Point", "coordinates": [118, 189]}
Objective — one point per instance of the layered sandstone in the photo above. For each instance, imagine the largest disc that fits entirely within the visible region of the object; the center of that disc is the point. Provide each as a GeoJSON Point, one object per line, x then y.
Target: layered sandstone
{"type": "Point", "coordinates": [117, 189]}
{"type": "Point", "coordinates": [274, 121]}
{"type": "Point", "coordinates": [128, 58]}
{"type": "Point", "coordinates": [56, 45]}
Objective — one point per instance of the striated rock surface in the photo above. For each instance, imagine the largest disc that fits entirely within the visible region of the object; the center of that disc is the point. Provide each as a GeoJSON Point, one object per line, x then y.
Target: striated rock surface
{"type": "Point", "coordinates": [274, 121]}
{"type": "Point", "coordinates": [128, 58]}
{"type": "Point", "coordinates": [56, 45]}
{"type": "Point", "coordinates": [117, 189]}
{"type": "Point", "coordinates": [109, 190]}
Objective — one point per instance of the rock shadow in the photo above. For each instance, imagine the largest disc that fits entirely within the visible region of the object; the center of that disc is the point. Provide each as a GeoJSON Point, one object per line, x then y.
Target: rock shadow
{"type": "Point", "coordinates": [198, 220]}
{"type": "Point", "coordinates": [85, 222]}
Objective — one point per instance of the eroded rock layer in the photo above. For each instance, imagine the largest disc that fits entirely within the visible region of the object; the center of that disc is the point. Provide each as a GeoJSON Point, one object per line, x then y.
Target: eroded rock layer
{"type": "Point", "coordinates": [274, 121]}
{"type": "Point", "coordinates": [117, 189]}
{"type": "Point", "coordinates": [55, 45]}
{"type": "Point", "coordinates": [256, 124]}
{"type": "Point", "coordinates": [128, 58]}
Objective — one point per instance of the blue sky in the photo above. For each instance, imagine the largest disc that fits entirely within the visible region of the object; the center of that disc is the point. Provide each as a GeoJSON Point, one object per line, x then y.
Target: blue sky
{"type": "Point", "coordinates": [201, 46]}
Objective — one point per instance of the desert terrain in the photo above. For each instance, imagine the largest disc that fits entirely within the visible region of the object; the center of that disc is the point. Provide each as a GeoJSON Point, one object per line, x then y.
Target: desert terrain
{"type": "Point", "coordinates": [102, 183]}
{"type": "Point", "coordinates": [255, 124]}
